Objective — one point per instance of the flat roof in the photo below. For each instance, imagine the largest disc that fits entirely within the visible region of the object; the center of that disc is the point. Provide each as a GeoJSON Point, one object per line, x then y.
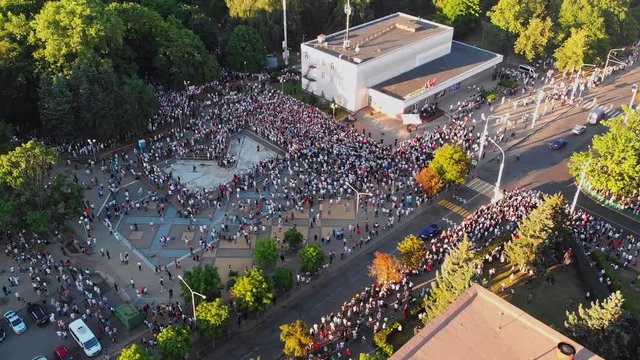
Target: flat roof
{"type": "Point", "coordinates": [481, 325]}
{"type": "Point", "coordinates": [461, 59]}
{"type": "Point", "coordinates": [379, 37]}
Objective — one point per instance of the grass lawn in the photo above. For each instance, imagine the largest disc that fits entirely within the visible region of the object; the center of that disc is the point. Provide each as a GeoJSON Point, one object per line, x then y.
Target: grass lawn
{"type": "Point", "coordinates": [548, 303]}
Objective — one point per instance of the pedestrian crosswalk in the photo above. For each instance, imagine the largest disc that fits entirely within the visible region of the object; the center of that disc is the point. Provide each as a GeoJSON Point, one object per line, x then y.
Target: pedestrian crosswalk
{"type": "Point", "coordinates": [453, 207]}
{"type": "Point", "coordinates": [609, 109]}
{"type": "Point", "coordinates": [481, 186]}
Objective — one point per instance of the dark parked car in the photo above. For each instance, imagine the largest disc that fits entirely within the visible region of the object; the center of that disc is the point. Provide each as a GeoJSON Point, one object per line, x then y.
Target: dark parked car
{"type": "Point", "coordinates": [430, 232]}
{"type": "Point", "coordinates": [38, 314]}
{"type": "Point", "coordinates": [558, 144]}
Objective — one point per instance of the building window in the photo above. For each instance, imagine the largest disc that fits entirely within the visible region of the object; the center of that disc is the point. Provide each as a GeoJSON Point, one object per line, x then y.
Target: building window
{"type": "Point", "coordinates": [331, 66]}
{"type": "Point", "coordinates": [306, 55]}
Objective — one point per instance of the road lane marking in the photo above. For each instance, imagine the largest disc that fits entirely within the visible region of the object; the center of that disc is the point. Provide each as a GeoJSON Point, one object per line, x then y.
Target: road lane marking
{"type": "Point", "coordinates": [453, 207]}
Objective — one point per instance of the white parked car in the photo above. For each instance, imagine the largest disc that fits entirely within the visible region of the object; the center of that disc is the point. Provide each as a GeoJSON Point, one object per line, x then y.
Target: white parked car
{"type": "Point", "coordinates": [15, 322]}
{"type": "Point", "coordinates": [578, 129]}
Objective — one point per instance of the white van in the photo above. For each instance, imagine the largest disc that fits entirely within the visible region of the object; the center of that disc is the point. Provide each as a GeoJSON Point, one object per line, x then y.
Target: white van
{"type": "Point", "coordinates": [81, 333]}
{"type": "Point", "coordinates": [527, 69]}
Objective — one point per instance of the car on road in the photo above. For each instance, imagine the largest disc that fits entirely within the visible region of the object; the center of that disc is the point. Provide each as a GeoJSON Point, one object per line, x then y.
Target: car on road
{"type": "Point", "coordinates": [596, 115]}
{"type": "Point", "coordinates": [15, 322]}
{"type": "Point", "coordinates": [2, 334]}
{"type": "Point", "coordinates": [558, 144]}
{"type": "Point", "coordinates": [39, 357]}
{"type": "Point", "coordinates": [578, 129]}
{"type": "Point", "coordinates": [62, 353]}
{"type": "Point", "coordinates": [38, 314]}
{"type": "Point", "coordinates": [430, 232]}
{"type": "Point", "coordinates": [81, 333]}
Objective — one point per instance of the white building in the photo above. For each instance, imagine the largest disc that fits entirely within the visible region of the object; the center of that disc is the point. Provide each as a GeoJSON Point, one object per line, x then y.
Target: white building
{"type": "Point", "coordinates": [392, 64]}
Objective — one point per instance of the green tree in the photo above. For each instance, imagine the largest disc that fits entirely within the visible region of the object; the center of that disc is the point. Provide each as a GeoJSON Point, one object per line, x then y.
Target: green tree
{"type": "Point", "coordinates": [540, 235]}
{"type": "Point", "coordinates": [282, 279]}
{"type": "Point", "coordinates": [25, 169]}
{"type": "Point", "coordinates": [373, 356]}
{"type": "Point", "coordinates": [571, 54]}
{"type": "Point", "coordinates": [66, 30]}
{"type": "Point", "coordinates": [293, 238]}
{"type": "Point", "coordinates": [513, 16]}
{"type": "Point", "coordinates": [612, 164]}
{"type": "Point", "coordinates": [463, 15]}
{"type": "Point", "coordinates": [605, 327]}
{"type": "Point", "coordinates": [174, 342]}
{"type": "Point", "coordinates": [56, 106]}
{"type": "Point", "coordinates": [252, 291]}
{"type": "Point", "coordinates": [312, 257]}
{"type": "Point", "coordinates": [134, 352]}
{"type": "Point", "coordinates": [452, 163]}
{"type": "Point", "coordinates": [453, 279]}
{"type": "Point", "coordinates": [212, 318]}
{"type": "Point", "coordinates": [412, 251]}
{"type": "Point", "coordinates": [534, 41]}
{"type": "Point", "coordinates": [385, 268]}
{"type": "Point", "coordinates": [203, 279]}
{"type": "Point", "coordinates": [245, 52]}
{"type": "Point", "coordinates": [296, 339]}
{"type": "Point", "coordinates": [246, 9]}
{"type": "Point", "coordinates": [266, 252]}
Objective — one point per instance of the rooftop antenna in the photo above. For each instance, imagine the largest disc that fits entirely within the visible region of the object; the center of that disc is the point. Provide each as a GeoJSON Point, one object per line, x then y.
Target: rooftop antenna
{"type": "Point", "coordinates": [285, 48]}
{"type": "Point", "coordinates": [347, 11]}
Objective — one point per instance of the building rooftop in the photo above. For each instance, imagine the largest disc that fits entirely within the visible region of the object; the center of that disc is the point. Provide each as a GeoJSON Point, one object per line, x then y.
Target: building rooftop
{"type": "Point", "coordinates": [461, 59]}
{"type": "Point", "coordinates": [481, 325]}
{"type": "Point", "coordinates": [379, 37]}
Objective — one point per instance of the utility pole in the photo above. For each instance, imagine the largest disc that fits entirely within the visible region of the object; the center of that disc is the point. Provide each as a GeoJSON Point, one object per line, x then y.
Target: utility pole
{"type": "Point", "coordinates": [579, 188]}
{"type": "Point", "coordinates": [285, 47]}
{"type": "Point", "coordinates": [535, 113]}
{"type": "Point", "coordinates": [347, 12]}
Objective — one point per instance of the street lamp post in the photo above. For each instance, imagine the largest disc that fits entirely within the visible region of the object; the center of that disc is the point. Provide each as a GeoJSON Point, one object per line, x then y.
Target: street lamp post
{"type": "Point", "coordinates": [83, 221]}
{"type": "Point", "coordinates": [615, 60]}
{"type": "Point", "coordinates": [577, 81]}
{"type": "Point", "coordinates": [193, 300]}
{"type": "Point", "coordinates": [634, 92]}
{"type": "Point", "coordinates": [358, 199]}
{"type": "Point", "coordinates": [535, 113]}
{"type": "Point", "coordinates": [579, 188]}
{"type": "Point", "coordinates": [485, 132]}
{"type": "Point", "coordinates": [497, 194]}
{"type": "Point", "coordinates": [333, 109]}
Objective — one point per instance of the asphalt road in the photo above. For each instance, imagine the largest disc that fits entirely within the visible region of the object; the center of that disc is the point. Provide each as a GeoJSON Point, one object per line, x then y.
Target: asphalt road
{"type": "Point", "coordinates": [539, 167]}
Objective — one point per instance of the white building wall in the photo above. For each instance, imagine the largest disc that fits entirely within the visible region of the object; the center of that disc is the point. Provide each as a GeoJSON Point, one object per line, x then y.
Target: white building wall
{"type": "Point", "coordinates": [335, 79]}
{"type": "Point", "coordinates": [387, 104]}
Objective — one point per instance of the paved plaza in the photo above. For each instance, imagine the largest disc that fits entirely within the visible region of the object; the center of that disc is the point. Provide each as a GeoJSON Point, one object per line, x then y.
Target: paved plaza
{"type": "Point", "coordinates": [208, 174]}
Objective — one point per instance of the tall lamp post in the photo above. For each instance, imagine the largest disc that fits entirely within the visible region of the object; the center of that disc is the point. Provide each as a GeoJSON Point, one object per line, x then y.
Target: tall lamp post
{"type": "Point", "coordinates": [609, 57]}
{"type": "Point", "coordinates": [634, 92]}
{"type": "Point", "coordinates": [579, 188]}
{"type": "Point", "coordinates": [193, 300]}
{"type": "Point", "coordinates": [84, 221]}
{"type": "Point", "coordinates": [333, 109]}
{"type": "Point", "coordinates": [577, 81]}
{"type": "Point", "coordinates": [485, 133]}
{"type": "Point", "coordinates": [497, 194]}
{"type": "Point", "coordinates": [535, 113]}
{"type": "Point", "coordinates": [358, 199]}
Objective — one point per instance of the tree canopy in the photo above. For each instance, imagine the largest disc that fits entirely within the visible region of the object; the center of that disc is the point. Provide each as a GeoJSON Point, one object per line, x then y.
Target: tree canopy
{"type": "Point", "coordinates": [134, 352]}
{"type": "Point", "coordinates": [296, 338]}
{"type": "Point", "coordinates": [612, 163]}
{"type": "Point", "coordinates": [266, 252]}
{"type": "Point", "coordinates": [174, 342]}
{"type": "Point", "coordinates": [453, 279]}
{"type": "Point", "coordinates": [252, 291]}
{"type": "Point", "coordinates": [203, 279]}
{"type": "Point", "coordinates": [245, 52]}
{"type": "Point", "coordinates": [385, 268]}
{"type": "Point", "coordinates": [212, 318]}
{"type": "Point", "coordinates": [430, 181]}
{"type": "Point", "coordinates": [312, 257]}
{"type": "Point", "coordinates": [412, 251]}
{"type": "Point", "coordinates": [293, 238]}
{"type": "Point", "coordinates": [452, 164]}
